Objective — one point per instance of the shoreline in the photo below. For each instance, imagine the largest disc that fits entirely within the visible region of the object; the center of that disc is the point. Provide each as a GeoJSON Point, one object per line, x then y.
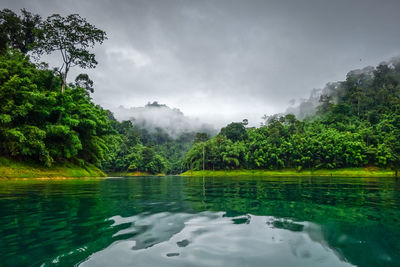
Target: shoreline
{"type": "Point", "coordinates": [345, 172]}
{"type": "Point", "coordinates": [12, 169]}
{"type": "Point", "coordinates": [132, 174]}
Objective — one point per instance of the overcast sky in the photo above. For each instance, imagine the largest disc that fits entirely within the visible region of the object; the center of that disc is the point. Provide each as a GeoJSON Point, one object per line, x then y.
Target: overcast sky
{"type": "Point", "coordinates": [223, 61]}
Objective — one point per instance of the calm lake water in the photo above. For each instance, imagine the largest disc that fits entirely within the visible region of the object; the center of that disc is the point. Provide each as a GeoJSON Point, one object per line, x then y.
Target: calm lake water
{"type": "Point", "coordinates": [178, 221]}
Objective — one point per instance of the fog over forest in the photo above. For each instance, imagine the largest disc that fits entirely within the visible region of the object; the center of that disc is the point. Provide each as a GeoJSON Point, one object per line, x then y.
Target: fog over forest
{"type": "Point", "coordinates": [155, 115]}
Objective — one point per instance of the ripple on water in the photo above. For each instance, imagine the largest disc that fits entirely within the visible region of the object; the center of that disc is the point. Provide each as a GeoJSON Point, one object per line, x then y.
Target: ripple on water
{"type": "Point", "coordinates": [212, 239]}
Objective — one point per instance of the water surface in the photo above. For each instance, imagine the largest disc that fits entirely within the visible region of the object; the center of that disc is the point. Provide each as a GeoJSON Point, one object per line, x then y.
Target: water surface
{"type": "Point", "coordinates": [182, 221]}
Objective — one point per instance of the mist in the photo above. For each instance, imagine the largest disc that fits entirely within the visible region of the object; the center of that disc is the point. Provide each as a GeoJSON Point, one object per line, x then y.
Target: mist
{"type": "Point", "coordinates": [155, 116]}
{"type": "Point", "coordinates": [307, 107]}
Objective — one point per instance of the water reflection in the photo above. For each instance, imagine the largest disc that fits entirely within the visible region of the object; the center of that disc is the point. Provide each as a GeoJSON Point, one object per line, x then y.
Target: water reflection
{"type": "Point", "coordinates": [212, 239]}
{"type": "Point", "coordinates": [173, 221]}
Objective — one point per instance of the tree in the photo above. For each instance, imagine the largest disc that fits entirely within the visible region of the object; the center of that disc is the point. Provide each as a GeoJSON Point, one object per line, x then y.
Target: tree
{"type": "Point", "coordinates": [325, 103]}
{"type": "Point", "coordinates": [389, 150]}
{"type": "Point", "coordinates": [72, 36]}
{"type": "Point", "coordinates": [18, 32]}
{"type": "Point", "coordinates": [235, 131]}
{"type": "Point", "coordinates": [201, 137]}
{"type": "Point", "coordinates": [83, 81]}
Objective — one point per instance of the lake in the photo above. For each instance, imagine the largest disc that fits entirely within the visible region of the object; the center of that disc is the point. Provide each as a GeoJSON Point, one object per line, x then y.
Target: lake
{"type": "Point", "coordinates": [185, 221]}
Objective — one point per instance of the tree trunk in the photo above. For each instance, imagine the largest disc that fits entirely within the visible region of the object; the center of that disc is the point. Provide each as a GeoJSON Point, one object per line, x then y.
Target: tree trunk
{"type": "Point", "coordinates": [64, 78]}
{"type": "Point", "coordinates": [63, 84]}
{"type": "Point", "coordinates": [62, 92]}
{"type": "Point", "coordinates": [204, 156]}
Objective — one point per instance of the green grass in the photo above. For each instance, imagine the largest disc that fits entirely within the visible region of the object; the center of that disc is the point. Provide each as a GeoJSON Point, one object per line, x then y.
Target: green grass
{"type": "Point", "coordinates": [131, 174]}
{"type": "Point", "coordinates": [14, 169]}
{"type": "Point", "coordinates": [349, 172]}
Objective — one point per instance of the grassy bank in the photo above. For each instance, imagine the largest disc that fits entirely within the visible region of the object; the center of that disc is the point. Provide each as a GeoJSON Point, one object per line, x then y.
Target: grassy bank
{"type": "Point", "coordinates": [15, 169]}
{"type": "Point", "coordinates": [132, 174]}
{"type": "Point", "coordinates": [349, 172]}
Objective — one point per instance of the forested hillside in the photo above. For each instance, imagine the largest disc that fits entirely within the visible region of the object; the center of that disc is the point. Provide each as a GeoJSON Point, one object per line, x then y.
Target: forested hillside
{"type": "Point", "coordinates": [356, 124]}
{"type": "Point", "coordinates": [137, 148]}
{"type": "Point", "coordinates": [154, 138]}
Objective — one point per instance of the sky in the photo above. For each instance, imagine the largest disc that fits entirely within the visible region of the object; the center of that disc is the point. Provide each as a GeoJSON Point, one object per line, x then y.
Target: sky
{"type": "Point", "coordinates": [223, 61]}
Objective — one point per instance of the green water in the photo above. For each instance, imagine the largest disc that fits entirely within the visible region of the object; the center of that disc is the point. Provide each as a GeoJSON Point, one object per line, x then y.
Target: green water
{"type": "Point", "coordinates": [175, 221]}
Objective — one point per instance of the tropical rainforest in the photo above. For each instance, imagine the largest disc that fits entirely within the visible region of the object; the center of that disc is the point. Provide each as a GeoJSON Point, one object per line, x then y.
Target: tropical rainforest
{"type": "Point", "coordinates": [46, 119]}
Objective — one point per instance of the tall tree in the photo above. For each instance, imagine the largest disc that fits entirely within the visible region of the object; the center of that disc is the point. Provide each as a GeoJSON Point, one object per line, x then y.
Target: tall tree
{"type": "Point", "coordinates": [73, 36]}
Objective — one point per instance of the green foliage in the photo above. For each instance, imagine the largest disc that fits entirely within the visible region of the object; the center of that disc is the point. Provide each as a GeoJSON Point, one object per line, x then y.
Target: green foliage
{"type": "Point", "coordinates": [138, 150]}
{"type": "Point", "coordinates": [18, 32]}
{"type": "Point", "coordinates": [39, 123]}
{"type": "Point", "coordinates": [234, 131]}
{"type": "Point", "coordinates": [357, 125]}
{"type": "Point", "coordinates": [201, 137]}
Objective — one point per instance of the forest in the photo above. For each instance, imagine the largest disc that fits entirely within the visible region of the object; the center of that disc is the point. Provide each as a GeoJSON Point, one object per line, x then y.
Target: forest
{"type": "Point", "coordinates": [46, 119]}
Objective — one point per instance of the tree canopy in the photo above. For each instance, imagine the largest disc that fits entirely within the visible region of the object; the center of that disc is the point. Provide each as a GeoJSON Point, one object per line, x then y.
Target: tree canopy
{"type": "Point", "coordinates": [18, 32]}
{"type": "Point", "coordinates": [30, 108]}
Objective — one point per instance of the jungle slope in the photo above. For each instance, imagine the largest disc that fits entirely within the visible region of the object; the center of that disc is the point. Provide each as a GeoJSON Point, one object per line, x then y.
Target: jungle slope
{"type": "Point", "coordinates": [15, 169]}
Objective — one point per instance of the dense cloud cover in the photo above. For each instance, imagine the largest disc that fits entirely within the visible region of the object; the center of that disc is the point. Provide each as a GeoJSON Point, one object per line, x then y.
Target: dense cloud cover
{"type": "Point", "coordinates": [224, 61]}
